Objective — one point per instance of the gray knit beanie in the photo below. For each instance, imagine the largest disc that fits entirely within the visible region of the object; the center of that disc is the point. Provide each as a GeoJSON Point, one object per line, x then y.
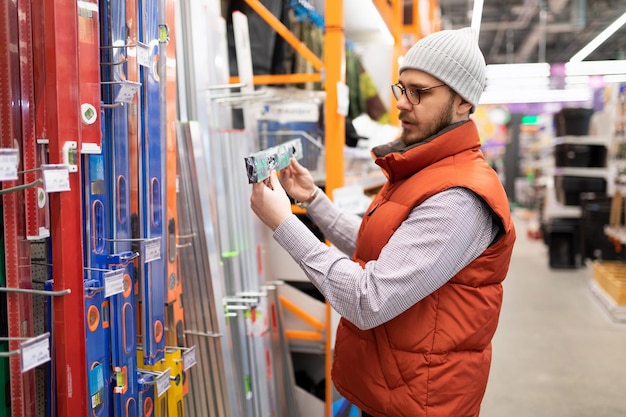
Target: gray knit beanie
{"type": "Point", "coordinates": [453, 56]}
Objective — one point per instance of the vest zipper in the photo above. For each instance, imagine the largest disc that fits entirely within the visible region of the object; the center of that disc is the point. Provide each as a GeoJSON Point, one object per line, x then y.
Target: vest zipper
{"type": "Point", "coordinates": [373, 210]}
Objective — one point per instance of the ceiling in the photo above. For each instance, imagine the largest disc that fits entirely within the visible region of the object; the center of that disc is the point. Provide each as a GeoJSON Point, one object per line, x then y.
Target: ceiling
{"type": "Point", "coordinates": [513, 31]}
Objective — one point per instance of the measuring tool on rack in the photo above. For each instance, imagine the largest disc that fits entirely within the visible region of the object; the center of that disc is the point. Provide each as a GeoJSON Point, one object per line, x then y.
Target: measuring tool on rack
{"type": "Point", "coordinates": [16, 247]}
{"type": "Point", "coordinates": [62, 75]}
{"type": "Point", "coordinates": [261, 163]}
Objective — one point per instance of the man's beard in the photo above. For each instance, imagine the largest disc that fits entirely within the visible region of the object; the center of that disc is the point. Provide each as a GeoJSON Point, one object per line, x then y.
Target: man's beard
{"type": "Point", "coordinates": [444, 120]}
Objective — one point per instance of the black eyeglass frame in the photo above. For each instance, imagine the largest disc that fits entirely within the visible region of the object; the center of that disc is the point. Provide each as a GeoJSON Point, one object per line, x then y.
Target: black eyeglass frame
{"type": "Point", "coordinates": [399, 90]}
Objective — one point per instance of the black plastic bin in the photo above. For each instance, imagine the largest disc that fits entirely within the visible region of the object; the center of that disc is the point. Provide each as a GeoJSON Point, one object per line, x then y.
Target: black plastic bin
{"type": "Point", "coordinates": [579, 155]}
{"type": "Point", "coordinates": [568, 188]}
{"type": "Point", "coordinates": [562, 237]}
{"type": "Point", "coordinates": [573, 121]}
{"type": "Point", "coordinates": [596, 212]}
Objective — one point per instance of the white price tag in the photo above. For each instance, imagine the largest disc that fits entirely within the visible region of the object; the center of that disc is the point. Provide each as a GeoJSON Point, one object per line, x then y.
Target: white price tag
{"type": "Point", "coordinates": [144, 57]}
{"type": "Point", "coordinates": [9, 160]}
{"type": "Point", "coordinates": [189, 358]}
{"type": "Point", "coordinates": [35, 351]}
{"type": "Point", "coordinates": [56, 178]}
{"type": "Point", "coordinates": [113, 282]}
{"type": "Point", "coordinates": [343, 99]}
{"type": "Point", "coordinates": [127, 92]}
{"type": "Point", "coordinates": [151, 249]}
{"type": "Point", "coordinates": [163, 382]}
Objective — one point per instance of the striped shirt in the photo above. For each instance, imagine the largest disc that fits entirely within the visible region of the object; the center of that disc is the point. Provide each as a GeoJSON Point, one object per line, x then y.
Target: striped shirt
{"type": "Point", "coordinates": [439, 238]}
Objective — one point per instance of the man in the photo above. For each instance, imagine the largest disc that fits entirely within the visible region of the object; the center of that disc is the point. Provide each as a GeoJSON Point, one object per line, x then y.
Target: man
{"type": "Point", "coordinates": [421, 296]}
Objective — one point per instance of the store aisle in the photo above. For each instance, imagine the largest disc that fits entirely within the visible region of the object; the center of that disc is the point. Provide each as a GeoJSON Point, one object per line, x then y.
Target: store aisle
{"type": "Point", "coordinates": [556, 352]}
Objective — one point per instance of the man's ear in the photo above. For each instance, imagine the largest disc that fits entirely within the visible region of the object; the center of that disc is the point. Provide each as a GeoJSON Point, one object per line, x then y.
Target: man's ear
{"type": "Point", "coordinates": [463, 106]}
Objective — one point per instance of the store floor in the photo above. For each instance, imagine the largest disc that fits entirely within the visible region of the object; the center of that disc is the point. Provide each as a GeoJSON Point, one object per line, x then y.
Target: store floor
{"type": "Point", "coordinates": [556, 353]}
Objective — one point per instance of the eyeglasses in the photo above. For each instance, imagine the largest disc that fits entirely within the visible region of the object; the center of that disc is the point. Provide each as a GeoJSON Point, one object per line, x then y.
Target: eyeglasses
{"type": "Point", "coordinates": [412, 94]}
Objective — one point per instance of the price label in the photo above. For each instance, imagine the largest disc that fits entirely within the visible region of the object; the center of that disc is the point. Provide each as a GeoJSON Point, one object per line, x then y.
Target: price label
{"type": "Point", "coordinates": [151, 249]}
{"type": "Point", "coordinates": [113, 282]}
{"type": "Point", "coordinates": [163, 382]}
{"type": "Point", "coordinates": [343, 98]}
{"type": "Point", "coordinates": [35, 352]}
{"type": "Point", "coordinates": [56, 178]}
{"type": "Point", "coordinates": [189, 358]}
{"type": "Point", "coordinates": [9, 160]}
{"type": "Point", "coordinates": [144, 57]}
{"type": "Point", "coordinates": [127, 92]}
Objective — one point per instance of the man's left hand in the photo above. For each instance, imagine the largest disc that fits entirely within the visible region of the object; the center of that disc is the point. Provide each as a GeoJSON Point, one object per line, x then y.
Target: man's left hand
{"type": "Point", "coordinates": [270, 202]}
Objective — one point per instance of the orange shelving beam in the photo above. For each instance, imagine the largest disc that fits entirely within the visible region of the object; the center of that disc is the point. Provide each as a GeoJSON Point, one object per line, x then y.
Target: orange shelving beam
{"type": "Point", "coordinates": [334, 134]}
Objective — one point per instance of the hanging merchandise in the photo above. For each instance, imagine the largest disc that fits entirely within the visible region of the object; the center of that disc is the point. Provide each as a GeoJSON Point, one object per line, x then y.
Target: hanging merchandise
{"type": "Point", "coordinates": [260, 164]}
{"type": "Point", "coordinates": [50, 393]}
{"type": "Point", "coordinates": [37, 204]}
{"type": "Point", "coordinates": [175, 333]}
{"type": "Point", "coordinates": [211, 382]}
{"type": "Point", "coordinates": [35, 201]}
{"type": "Point", "coordinates": [214, 385]}
{"type": "Point", "coordinates": [312, 36]}
{"type": "Point", "coordinates": [364, 96]}
{"type": "Point", "coordinates": [146, 386]}
{"type": "Point", "coordinates": [308, 25]}
{"type": "Point", "coordinates": [267, 46]}
{"type": "Point", "coordinates": [168, 380]}
{"type": "Point", "coordinates": [16, 247]}
{"type": "Point", "coordinates": [63, 132]}
{"type": "Point", "coordinates": [304, 11]}
{"type": "Point", "coordinates": [5, 389]}
{"type": "Point", "coordinates": [120, 262]}
{"type": "Point", "coordinates": [89, 76]}
{"type": "Point", "coordinates": [239, 244]}
{"type": "Point", "coordinates": [96, 305]}
{"type": "Point", "coordinates": [150, 169]}
{"type": "Point", "coordinates": [95, 218]}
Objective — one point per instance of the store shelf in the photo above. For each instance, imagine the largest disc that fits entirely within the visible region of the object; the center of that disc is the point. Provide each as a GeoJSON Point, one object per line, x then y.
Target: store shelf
{"type": "Point", "coordinates": [615, 311]}
{"type": "Point", "coordinates": [607, 173]}
{"type": "Point", "coordinates": [583, 140]}
{"type": "Point", "coordinates": [553, 209]}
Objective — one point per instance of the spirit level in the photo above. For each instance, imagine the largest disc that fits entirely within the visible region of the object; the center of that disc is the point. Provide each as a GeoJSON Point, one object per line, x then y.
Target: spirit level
{"type": "Point", "coordinates": [260, 164]}
{"type": "Point", "coordinates": [151, 161]}
{"type": "Point", "coordinates": [16, 247]}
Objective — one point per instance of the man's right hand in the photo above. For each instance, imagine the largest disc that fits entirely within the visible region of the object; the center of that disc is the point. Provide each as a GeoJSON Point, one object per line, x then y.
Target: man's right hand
{"type": "Point", "coordinates": [297, 181]}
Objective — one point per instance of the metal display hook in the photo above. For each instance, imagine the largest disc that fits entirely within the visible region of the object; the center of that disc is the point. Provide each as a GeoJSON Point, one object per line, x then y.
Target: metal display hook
{"type": "Point", "coordinates": [36, 292]}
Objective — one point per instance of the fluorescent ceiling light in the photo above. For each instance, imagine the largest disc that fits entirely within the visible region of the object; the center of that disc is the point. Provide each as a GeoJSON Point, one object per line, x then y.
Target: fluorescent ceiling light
{"type": "Point", "coordinates": [595, 68]}
{"type": "Point", "coordinates": [477, 16]}
{"type": "Point", "coordinates": [598, 40]}
{"type": "Point", "coordinates": [520, 82]}
{"type": "Point", "coordinates": [511, 71]}
{"type": "Point", "coordinates": [615, 78]}
{"type": "Point", "coordinates": [586, 79]}
{"type": "Point", "coordinates": [577, 80]}
{"type": "Point", "coordinates": [511, 96]}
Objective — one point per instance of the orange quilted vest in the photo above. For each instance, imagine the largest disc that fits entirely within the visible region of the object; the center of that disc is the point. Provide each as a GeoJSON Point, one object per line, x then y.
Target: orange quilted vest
{"type": "Point", "coordinates": [432, 360]}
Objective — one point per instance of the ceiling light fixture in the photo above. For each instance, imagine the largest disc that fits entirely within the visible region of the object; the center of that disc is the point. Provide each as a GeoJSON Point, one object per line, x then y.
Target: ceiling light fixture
{"type": "Point", "coordinates": [511, 71]}
{"type": "Point", "coordinates": [598, 40]}
{"type": "Point", "coordinates": [595, 67]}
{"type": "Point", "coordinates": [503, 96]}
{"type": "Point", "coordinates": [477, 16]}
